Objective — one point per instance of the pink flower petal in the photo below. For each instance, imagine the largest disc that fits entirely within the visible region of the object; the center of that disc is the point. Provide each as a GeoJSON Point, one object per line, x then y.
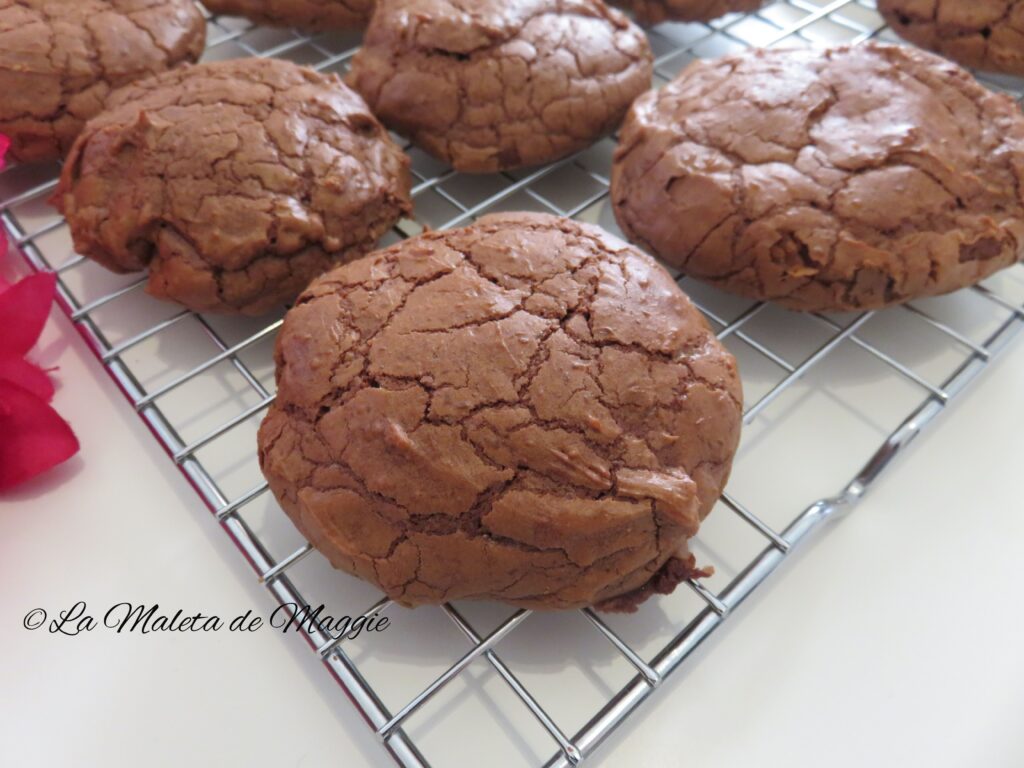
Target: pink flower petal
{"type": "Point", "coordinates": [27, 376]}
{"type": "Point", "coordinates": [3, 256]}
{"type": "Point", "coordinates": [4, 144]}
{"type": "Point", "coordinates": [33, 437]}
{"type": "Point", "coordinates": [24, 308]}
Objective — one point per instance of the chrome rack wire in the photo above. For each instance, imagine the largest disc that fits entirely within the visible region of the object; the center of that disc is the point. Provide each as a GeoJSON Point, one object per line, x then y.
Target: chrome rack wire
{"type": "Point", "coordinates": [202, 383]}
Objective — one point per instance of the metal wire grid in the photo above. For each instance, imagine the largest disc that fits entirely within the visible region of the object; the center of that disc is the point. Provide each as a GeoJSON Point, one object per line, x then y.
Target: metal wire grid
{"type": "Point", "coordinates": [576, 186]}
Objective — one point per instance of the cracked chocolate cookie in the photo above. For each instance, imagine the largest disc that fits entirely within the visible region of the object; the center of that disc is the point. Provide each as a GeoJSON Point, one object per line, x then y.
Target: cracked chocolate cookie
{"type": "Point", "coordinates": [307, 14]}
{"type": "Point", "coordinates": [234, 183]}
{"type": "Point", "coordinates": [656, 11]}
{"type": "Point", "coordinates": [840, 179]}
{"type": "Point", "coordinates": [526, 409]}
{"type": "Point", "coordinates": [984, 34]}
{"type": "Point", "coordinates": [499, 84]}
{"type": "Point", "coordinates": [59, 59]}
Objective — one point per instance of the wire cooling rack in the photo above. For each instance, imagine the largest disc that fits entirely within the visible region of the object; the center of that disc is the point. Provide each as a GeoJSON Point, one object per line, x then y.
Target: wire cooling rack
{"type": "Point", "coordinates": [830, 398]}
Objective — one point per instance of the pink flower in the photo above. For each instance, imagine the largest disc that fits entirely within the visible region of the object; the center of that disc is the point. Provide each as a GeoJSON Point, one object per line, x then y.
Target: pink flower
{"type": "Point", "coordinates": [33, 437]}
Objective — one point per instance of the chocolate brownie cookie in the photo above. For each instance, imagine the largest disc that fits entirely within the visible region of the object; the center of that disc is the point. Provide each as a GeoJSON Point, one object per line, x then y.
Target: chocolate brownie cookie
{"type": "Point", "coordinates": [526, 409]}
{"type": "Point", "coordinates": [235, 183]}
{"type": "Point", "coordinates": [655, 11]}
{"type": "Point", "coordinates": [308, 14]}
{"type": "Point", "coordinates": [984, 34]}
{"type": "Point", "coordinates": [60, 58]}
{"type": "Point", "coordinates": [498, 84]}
{"type": "Point", "coordinates": [841, 179]}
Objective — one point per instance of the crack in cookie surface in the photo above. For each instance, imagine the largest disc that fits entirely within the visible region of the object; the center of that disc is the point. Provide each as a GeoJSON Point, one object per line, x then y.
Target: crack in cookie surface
{"type": "Point", "coordinates": [525, 409]}
{"type": "Point", "coordinates": [60, 59]}
{"type": "Point", "coordinates": [844, 179]}
{"type": "Point", "coordinates": [500, 84]}
{"type": "Point", "coordinates": [234, 183]}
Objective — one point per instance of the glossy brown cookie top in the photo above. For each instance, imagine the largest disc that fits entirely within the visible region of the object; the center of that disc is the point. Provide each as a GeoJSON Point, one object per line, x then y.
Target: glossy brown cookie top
{"type": "Point", "coordinates": [526, 409]}
{"type": "Point", "coordinates": [984, 34]}
{"type": "Point", "coordinates": [307, 14]}
{"type": "Point", "coordinates": [233, 183]}
{"type": "Point", "coordinates": [840, 179]}
{"type": "Point", "coordinates": [59, 59]}
{"type": "Point", "coordinates": [498, 84]}
{"type": "Point", "coordinates": [655, 11]}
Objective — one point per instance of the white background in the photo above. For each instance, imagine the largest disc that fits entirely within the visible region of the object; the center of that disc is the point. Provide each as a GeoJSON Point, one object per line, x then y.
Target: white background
{"type": "Point", "coordinates": [894, 639]}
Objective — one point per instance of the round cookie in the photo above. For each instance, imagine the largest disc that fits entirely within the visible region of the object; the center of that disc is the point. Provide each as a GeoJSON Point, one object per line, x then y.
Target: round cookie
{"type": "Point", "coordinates": [656, 11]}
{"type": "Point", "coordinates": [984, 34]}
{"type": "Point", "coordinates": [526, 409]}
{"type": "Point", "coordinates": [59, 59]}
{"type": "Point", "coordinates": [234, 183]}
{"type": "Point", "coordinates": [307, 14]}
{"type": "Point", "coordinates": [508, 84]}
{"type": "Point", "coordinates": [842, 179]}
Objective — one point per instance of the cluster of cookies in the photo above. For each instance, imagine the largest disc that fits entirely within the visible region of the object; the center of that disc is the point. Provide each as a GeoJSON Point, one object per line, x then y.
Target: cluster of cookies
{"type": "Point", "coordinates": [528, 408]}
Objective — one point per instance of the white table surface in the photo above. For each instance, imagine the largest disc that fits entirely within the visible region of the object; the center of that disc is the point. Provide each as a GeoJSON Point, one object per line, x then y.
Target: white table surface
{"type": "Point", "coordinates": [894, 639]}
